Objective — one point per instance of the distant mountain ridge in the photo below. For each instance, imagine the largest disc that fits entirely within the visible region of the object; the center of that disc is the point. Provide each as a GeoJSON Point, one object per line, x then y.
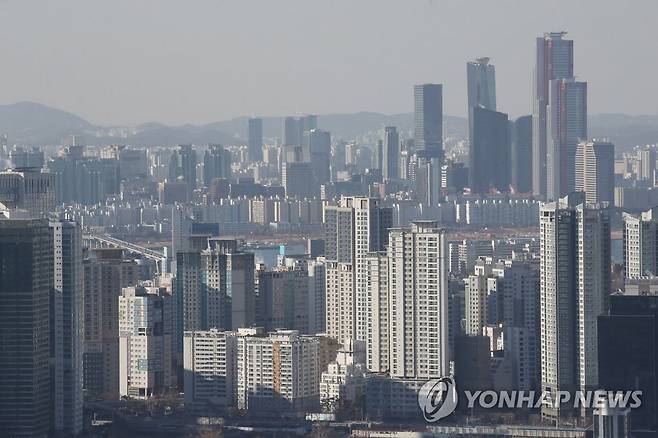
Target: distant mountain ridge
{"type": "Point", "coordinates": [31, 123]}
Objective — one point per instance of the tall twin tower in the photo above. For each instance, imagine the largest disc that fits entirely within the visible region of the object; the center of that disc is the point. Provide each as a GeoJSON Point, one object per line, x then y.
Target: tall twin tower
{"type": "Point", "coordinates": [535, 154]}
{"type": "Point", "coordinates": [559, 117]}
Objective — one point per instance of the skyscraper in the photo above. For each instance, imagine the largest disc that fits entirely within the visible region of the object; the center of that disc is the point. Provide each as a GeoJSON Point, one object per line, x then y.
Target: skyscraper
{"type": "Point", "coordinates": [567, 126]}
{"type": "Point", "coordinates": [481, 84]}
{"type": "Point", "coordinates": [352, 229]}
{"type": "Point", "coordinates": [554, 61]}
{"type": "Point", "coordinates": [317, 150]}
{"type": "Point", "coordinates": [291, 132]}
{"type": "Point", "coordinates": [488, 157]}
{"type": "Point", "coordinates": [182, 166]}
{"type": "Point", "coordinates": [391, 154]}
{"type": "Point", "coordinates": [428, 119]}
{"type": "Point", "coordinates": [575, 285]}
{"type": "Point", "coordinates": [595, 171]}
{"type": "Point", "coordinates": [255, 139]}
{"type": "Point", "coordinates": [216, 164]}
{"type": "Point", "coordinates": [26, 254]}
{"type": "Point", "coordinates": [67, 328]}
{"type": "Point", "coordinates": [628, 353]}
{"type": "Point", "coordinates": [521, 154]}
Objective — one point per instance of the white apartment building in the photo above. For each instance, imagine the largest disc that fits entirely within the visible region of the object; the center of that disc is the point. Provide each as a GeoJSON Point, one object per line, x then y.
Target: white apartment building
{"type": "Point", "coordinates": [209, 362]}
{"type": "Point", "coordinates": [640, 244]}
{"type": "Point", "coordinates": [277, 372]}
{"type": "Point", "coordinates": [574, 281]}
{"type": "Point", "coordinates": [418, 301]}
{"type": "Point", "coordinates": [145, 341]}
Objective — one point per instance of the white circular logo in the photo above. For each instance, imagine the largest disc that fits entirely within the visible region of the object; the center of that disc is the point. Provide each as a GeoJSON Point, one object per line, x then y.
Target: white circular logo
{"type": "Point", "coordinates": [438, 398]}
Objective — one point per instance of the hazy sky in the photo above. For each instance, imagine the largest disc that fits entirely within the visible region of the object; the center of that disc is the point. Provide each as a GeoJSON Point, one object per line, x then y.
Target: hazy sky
{"type": "Point", "coordinates": [178, 61]}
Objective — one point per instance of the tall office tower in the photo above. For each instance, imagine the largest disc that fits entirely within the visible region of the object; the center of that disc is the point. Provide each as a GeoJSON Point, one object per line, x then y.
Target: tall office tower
{"type": "Point", "coordinates": [391, 154]}
{"type": "Point", "coordinates": [646, 164]}
{"type": "Point", "coordinates": [427, 174]}
{"type": "Point", "coordinates": [145, 341]}
{"type": "Point", "coordinates": [216, 164]}
{"type": "Point", "coordinates": [317, 150]}
{"type": "Point", "coordinates": [182, 166]}
{"type": "Point", "coordinates": [209, 362]}
{"type": "Point", "coordinates": [352, 229]}
{"type": "Point", "coordinates": [299, 180]}
{"type": "Point", "coordinates": [641, 244]}
{"type": "Point", "coordinates": [428, 119]}
{"type": "Point", "coordinates": [67, 328]}
{"type": "Point", "coordinates": [418, 301]}
{"type": "Point", "coordinates": [489, 152]}
{"type": "Point", "coordinates": [595, 171]}
{"type": "Point", "coordinates": [338, 158]}
{"type": "Point", "coordinates": [290, 135]}
{"type": "Point", "coordinates": [575, 285]}
{"type": "Point", "coordinates": [106, 272]}
{"type": "Point", "coordinates": [521, 154]}
{"type": "Point", "coordinates": [628, 353]}
{"type": "Point", "coordinates": [255, 139]}
{"type": "Point", "coordinates": [308, 123]}
{"type": "Point", "coordinates": [378, 158]}
{"type": "Point", "coordinates": [481, 86]}
{"type": "Point", "coordinates": [567, 126]}
{"type": "Point", "coordinates": [554, 61]}
{"type": "Point", "coordinates": [28, 189]}
{"type": "Point", "coordinates": [26, 263]}
{"type": "Point", "coordinates": [278, 372]}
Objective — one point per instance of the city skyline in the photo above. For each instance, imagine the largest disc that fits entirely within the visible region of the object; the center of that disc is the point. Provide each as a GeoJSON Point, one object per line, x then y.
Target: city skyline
{"type": "Point", "coordinates": [145, 72]}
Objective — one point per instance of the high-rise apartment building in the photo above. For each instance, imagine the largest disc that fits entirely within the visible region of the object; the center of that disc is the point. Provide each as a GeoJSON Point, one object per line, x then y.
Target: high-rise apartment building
{"type": "Point", "coordinates": [390, 154]}
{"type": "Point", "coordinates": [567, 126]}
{"type": "Point", "coordinates": [554, 61]}
{"type": "Point", "coordinates": [574, 291]}
{"type": "Point", "coordinates": [255, 139]}
{"type": "Point", "coordinates": [106, 273]}
{"type": "Point", "coordinates": [28, 189]}
{"type": "Point", "coordinates": [277, 372]}
{"type": "Point", "coordinates": [418, 301]}
{"type": "Point", "coordinates": [209, 363]}
{"type": "Point", "coordinates": [215, 287]}
{"type": "Point", "coordinates": [641, 244]}
{"type": "Point", "coordinates": [352, 229]}
{"type": "Point", "coordinates": [428, 119]}
{"type": "Point", "coordinates": [26, 284]}
{"type": "Point", "coordinates": [146, 323]}
{"type": "Point", "coordinates": [595, 171]}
